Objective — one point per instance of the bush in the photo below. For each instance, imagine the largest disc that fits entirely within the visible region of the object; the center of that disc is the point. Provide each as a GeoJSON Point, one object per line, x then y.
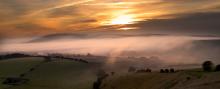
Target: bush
{"type": "Point", "coordinates": [217, 68]}
{"type": "Point", "coordinates": [207, 66]}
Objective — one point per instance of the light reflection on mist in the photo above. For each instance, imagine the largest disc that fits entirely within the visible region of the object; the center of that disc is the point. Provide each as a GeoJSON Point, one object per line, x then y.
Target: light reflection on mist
{"type": "Point", "coordinates": [172, 48]}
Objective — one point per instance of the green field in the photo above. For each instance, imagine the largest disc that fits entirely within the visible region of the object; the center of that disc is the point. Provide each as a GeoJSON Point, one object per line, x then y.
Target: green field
{"type": "Point", "coordinates": [50, 75]}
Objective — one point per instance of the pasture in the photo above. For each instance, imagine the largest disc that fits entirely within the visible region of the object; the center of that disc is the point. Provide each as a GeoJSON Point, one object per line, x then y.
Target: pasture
{"type": "Point", "coordinates": [63, 74]}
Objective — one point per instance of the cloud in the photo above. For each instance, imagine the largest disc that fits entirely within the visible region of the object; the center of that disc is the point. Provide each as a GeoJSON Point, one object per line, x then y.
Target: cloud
{"type": "Point", "coordinates": [186, 49]}
{"type": "Point", "coordinates": [61, 12]}
{"type": "Point", "coordinates": [85, 15]}
{"type": "Point", "coordinates": [195, 23]}
{"type": "Point", "coordinates": [24, 30]}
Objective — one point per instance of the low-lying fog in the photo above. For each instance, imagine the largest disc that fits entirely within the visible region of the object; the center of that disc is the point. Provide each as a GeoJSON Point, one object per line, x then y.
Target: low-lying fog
{"type": "Point", "coordinates": [170, 49]}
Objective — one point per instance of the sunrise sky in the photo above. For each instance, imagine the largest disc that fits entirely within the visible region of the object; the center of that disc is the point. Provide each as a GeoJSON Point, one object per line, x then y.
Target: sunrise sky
{"type": "Point", "coordinates": [171, 29]}
{"type": "Point", "coordinates": [30, 18]}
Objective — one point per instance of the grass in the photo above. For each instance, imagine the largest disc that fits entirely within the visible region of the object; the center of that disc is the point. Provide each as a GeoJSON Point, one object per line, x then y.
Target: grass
{"type": "Point", "coordinates": [198, 80]}
{"type": "Point", "coordinates": [52, 75]}
{"type": "Point", "coordinates": [74, 75]}
{"type": "Point", "coordinates": [141, 81]}
{"type": "Point", "coordinates": [14, 67]}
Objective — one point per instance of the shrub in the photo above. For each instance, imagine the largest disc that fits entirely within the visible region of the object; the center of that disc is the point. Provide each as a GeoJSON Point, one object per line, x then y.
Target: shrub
{"type": "Point", "coordinates": [188, 78]}
{"type": "Point", "coordinates": [217, 68]}
{"type": "Point", "coordinates": [207, 66]}
{"type": "Point", "coordinates": [22, 75]}
{"type": "Point", "coordinates": [32, 69]}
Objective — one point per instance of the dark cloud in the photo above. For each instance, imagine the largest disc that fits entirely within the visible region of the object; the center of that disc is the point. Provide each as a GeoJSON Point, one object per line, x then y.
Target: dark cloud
{"type": "Point", "coordinates": [193, 24]}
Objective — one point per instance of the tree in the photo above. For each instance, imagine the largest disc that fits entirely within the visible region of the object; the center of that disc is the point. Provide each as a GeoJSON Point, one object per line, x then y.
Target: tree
{"type": "Point", "coordinates": [172, 70]}
{"type": "Point", "coordinates": [148, 70]}
{"type": "Point", "coordinates": [96, 85]}
{"type": "Point", "coordinates": [161, 71]}
{"type": "Point", "coordinates": [166, 70]}
{"type": "Point", "coordinates": [207, 66]}
{"type": "Point", "coordinates": [47, 59]}
{"type": "Point", "coordinates": [131, 69]}
{"type": "Point", "coordinates": [217, 68]}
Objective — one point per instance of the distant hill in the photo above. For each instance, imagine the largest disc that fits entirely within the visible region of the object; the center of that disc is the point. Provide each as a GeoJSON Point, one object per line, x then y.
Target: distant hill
{"type": "Point", "coordinates": [60, 36]}
{"type": "Point", "coordinates": [214, 43]}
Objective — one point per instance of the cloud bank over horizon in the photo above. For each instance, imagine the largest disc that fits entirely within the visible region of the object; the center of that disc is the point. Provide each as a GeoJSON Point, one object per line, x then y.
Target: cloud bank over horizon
{"type": "Point", "coordinates": [186, 49]}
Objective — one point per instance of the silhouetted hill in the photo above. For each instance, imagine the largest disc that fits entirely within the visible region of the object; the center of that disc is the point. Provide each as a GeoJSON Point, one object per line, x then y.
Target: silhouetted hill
{"type": "Point", "coordinates": [215, 43]}
{"type": "Point", "coordinates": [63, 36]}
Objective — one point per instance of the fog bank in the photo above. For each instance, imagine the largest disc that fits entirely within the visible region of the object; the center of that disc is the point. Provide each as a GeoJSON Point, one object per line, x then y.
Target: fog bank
{"type": "Point", "coordinates": [175, 49]}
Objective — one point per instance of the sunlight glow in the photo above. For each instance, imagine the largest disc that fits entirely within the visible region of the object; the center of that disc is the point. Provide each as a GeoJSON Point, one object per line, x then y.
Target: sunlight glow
{"type": "Point", "coordinates": [122, 19]}
{"type": "Point", "coordinates": [127, 28]}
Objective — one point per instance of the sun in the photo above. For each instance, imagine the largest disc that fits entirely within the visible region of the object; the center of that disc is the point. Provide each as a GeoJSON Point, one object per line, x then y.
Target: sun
{"type": "Point", "coordinates": [122, 20]}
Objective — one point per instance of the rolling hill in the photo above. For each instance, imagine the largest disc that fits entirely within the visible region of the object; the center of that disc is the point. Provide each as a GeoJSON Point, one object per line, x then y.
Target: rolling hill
{"type": "Point", "coordinates": [63, 74]}
{"type": "Point", "coordinates": [187, 79]}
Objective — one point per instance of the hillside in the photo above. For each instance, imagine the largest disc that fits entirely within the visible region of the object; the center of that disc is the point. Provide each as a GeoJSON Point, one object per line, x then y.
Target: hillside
{"type": "Point", "coordinates": [66, 74]}
{"type": "Point", "coordinates": [188, 79]}
{"type": "Point", "coordinates": [63, 74]}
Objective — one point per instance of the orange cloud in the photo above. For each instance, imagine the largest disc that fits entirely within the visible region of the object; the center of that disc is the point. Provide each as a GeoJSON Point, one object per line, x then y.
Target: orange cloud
{"type": "Point", "coordinates": [86, 14]}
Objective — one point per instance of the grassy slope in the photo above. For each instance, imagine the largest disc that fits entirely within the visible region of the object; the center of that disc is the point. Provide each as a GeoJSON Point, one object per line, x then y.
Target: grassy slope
{"type": "Point", "coordinates": [198, 80]}
{"type": "Point", "coordinates": [74, 75]}
{"type": "Point", "coordinates": [52, 75]}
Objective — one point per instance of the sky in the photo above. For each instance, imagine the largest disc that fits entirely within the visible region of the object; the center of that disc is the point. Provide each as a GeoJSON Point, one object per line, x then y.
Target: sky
{"type": "Point", "coordinates": [31, 18]}
{"type": "Point", "coordinates": [174, 30]}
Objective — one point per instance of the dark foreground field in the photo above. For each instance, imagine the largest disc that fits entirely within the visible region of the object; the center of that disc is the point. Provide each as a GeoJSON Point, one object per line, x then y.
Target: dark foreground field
{"type": "Point", "coordinates": [187, 79]}
{"type": "Point", "coordinates": [66, 74]}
